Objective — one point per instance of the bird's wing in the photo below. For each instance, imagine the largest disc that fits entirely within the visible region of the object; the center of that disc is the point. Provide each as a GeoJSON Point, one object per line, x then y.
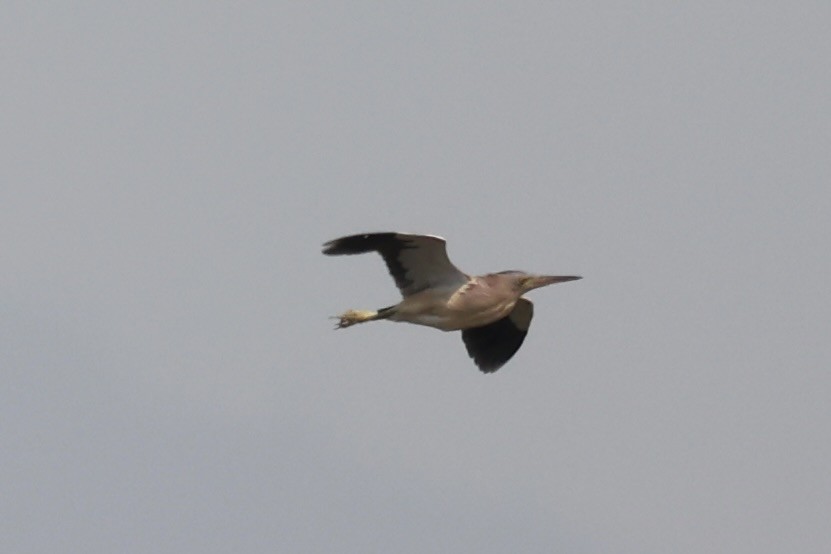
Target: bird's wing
{"type": "Point", "coordinates": [416, 262]}
{"type": "Point", "coordinates": [494, 344]}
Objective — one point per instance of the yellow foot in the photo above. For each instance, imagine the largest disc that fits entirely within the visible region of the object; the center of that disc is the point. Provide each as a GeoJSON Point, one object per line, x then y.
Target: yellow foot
{"type": "Point", "coordinates": [347, 319]}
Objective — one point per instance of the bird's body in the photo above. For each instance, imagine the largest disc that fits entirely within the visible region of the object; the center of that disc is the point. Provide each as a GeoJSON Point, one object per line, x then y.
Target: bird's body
{"type": "Point", "coordinates": [454, 308]}
{"type": "Point", "coordinates": [489, 309]}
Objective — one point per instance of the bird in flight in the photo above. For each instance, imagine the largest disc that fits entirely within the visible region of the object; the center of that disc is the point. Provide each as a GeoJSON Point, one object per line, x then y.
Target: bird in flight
{"type": "Point", "coordinates": [489, 310]}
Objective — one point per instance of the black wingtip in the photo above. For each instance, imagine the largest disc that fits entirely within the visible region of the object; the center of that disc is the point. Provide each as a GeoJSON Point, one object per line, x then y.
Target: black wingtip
{"type": "Point", "coordinates": [492, 345]}
{"type": "Point", "coordinates": [357, 244]}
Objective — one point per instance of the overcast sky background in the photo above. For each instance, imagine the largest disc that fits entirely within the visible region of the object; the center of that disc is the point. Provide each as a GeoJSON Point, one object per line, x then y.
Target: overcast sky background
{"type": "Point", "coordinates": [171, 382]}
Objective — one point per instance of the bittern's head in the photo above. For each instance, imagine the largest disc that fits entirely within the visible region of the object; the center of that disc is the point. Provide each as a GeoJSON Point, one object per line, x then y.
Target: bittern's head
{"type": "Point", "coordinates": [523, 282]}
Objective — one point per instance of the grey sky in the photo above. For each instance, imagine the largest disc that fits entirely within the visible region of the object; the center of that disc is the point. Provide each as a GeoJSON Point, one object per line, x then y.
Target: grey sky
{"type": "Point", "coordinates": [168, 172]}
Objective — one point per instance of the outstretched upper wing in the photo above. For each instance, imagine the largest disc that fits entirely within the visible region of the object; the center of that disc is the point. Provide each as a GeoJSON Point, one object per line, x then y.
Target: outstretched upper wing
{"type": "Point", "coordinates": [494, 344]}
{"type": "Point", "coordinates": [416, 262]}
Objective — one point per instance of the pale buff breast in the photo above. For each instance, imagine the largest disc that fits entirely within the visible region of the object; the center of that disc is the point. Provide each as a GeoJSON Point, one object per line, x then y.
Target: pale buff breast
{"type": "Point", "coordinates": [452, 310]}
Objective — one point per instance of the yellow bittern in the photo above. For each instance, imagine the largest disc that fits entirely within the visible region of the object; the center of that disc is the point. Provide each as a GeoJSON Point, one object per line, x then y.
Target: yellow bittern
{"type": "Point", "coordinates": [489, 310]}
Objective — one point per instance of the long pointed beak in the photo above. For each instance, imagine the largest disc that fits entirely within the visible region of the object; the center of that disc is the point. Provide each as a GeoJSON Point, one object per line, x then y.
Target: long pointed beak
{"type": "Point", "coordinates": [544, 280]}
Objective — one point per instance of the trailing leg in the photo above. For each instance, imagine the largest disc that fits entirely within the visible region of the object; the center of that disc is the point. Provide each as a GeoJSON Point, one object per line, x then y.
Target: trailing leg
{"type": "Point", "coordinates": [351, 317]}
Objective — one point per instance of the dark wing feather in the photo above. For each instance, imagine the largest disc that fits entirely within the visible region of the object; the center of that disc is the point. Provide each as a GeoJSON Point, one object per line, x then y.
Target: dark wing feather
{"type": "Point", "coordinates": [416, 262]}
{"type": "Point", "coordinates": [494, 344]}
